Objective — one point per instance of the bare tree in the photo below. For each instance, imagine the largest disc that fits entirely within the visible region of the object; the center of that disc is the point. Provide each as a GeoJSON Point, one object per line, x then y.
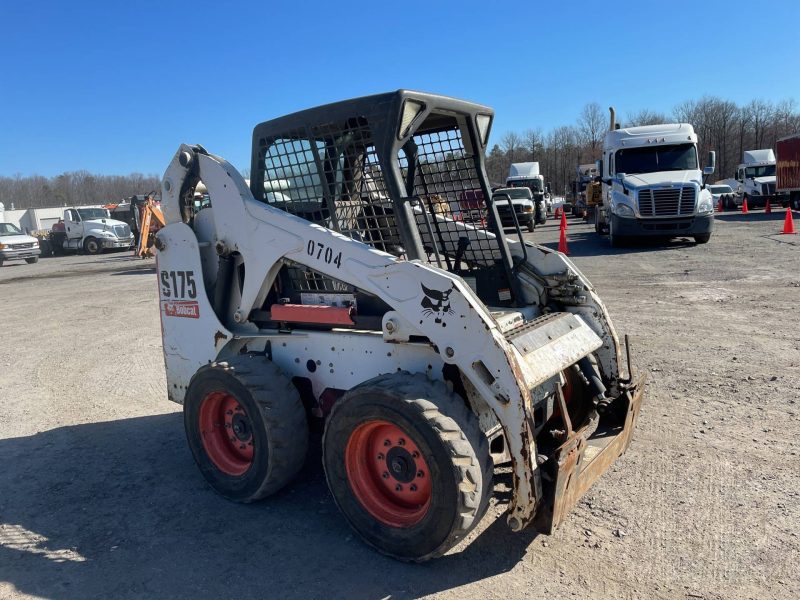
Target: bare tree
{"type": "Point", "coordinates": [533, 141]}
{"type": "Point", "coordinates": [592, 127]}
{"type": "Point", "coordinates": [511, 143]}
{"type": "Point", "coordinates": [645, 117]}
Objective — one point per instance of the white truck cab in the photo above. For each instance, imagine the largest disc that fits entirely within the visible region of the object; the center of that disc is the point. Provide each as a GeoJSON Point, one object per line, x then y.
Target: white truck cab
{"type": "Point", "coordinates": [755, 177]}
{"type": "Point", "coordinates": [526, 174]}
{"type": "Point", "coordinates": [653, 184]}
{"type": "Point", "coordinates": [16, 245]}
{"type": "Point", "coordinates": [93, 230]}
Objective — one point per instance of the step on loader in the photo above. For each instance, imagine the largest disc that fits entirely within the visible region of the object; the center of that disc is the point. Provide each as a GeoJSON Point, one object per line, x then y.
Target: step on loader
{"type": "Point", "coordinates": [345, 283]}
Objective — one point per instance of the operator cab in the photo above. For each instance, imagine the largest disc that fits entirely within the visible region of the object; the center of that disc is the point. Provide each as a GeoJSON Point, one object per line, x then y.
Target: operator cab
{"type": "Point", "coordinates": [402, 172]}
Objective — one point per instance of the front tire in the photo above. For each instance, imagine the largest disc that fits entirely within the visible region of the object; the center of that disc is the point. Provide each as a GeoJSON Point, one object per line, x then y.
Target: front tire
{"type": "Point", "coordinates": [531, 226]}
{"type": "Point", "coordinates": [246, 427]}
{"type": "Point", "coordinates": [408, 465]}
{"type": "Point", "coordinates": [702, 238]}
{"type": "Point", "coordinates": [613, 239]}
{"type": "Point", "coordinates": [32, 260]}
{"type": "Point", "coordinates": [91, 246]}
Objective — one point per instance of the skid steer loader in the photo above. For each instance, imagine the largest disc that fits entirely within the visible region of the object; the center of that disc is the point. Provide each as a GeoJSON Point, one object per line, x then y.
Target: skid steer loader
{"type": "Point", "coordinates": [347, 283]}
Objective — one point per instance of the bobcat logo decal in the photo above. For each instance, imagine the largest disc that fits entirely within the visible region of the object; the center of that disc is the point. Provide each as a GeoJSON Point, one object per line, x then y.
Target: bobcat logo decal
{"type": "Point", "coordinates": [437, 304]}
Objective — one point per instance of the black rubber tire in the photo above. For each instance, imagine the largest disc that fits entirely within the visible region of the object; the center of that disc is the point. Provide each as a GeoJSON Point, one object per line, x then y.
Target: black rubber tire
{"type": "Point", "coordinates": [2, 260]}
{"type": "Point", "coordinates": [531, 226]}
{"type": "Point", "coordinates": [615, 241]}
{"type": "Point", "coordinates": [448, 435]}
{"type": "Point", "coordinates": [32, 260]}
{"type": "Point", "coordinates": [702, 238]}
{"type": "Point", "coordinates": [277, 416]}
{"type": "Point", "coordinates": [92, 246]}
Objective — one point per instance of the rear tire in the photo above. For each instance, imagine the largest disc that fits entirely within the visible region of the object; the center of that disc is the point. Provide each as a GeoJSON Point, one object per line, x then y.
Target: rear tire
{"type": "Point", "coordinates": [420, 502]}
{"type": "Point", "coordinates": [266, 432]}
{"type": "Point", "coordinates": [32, 260]}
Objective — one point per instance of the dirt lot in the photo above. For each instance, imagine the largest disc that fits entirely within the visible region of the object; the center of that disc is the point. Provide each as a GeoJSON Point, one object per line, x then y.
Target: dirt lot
{"type": "Point", "coordinates": [99, 496]}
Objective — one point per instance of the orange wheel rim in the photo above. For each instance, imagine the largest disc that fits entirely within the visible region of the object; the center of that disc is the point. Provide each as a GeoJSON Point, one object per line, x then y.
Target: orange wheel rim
{"type": "Point", "coordinates": [227, 433]}
{"type": "Point", "coordinates": [388, 474]}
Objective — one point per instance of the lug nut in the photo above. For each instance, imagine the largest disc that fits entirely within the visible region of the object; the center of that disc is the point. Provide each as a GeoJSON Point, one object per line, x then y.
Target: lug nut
{"type": "Point", "coordinates": [387, 443]}
{"type": "Point", "coordinates": [420, 474]}
{"type": "Point", "coordinates": [415, 454]}
{"type": "Point", "coordinates": [398, 488]}
{"type": "Point", "coordinates": [380, 456]}
{"type": "Point", "coordinates": [413, 487]}
{"type": "Point", "coordinates": [401, 442]}
{"type": "Point", "coordinates": [385, 475]}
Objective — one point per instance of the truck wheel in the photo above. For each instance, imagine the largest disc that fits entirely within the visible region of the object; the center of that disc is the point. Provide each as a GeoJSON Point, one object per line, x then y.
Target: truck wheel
{"type": "Point", "coordinates": [32, 260]}
{"type": "Point", "coordinates": [91, 246]}
{"type": "Point", "coordinates": [531, 226]}
{"type": "Point", "coordinates": [614, 240]}
{"type": "Point", "coordinates": [702, 238]}
{"type": "Point", "coordinates": [1, 261]}
{"type": "Point", "coordinates": [246, 427]}
{"type": "Point", "coordinates": [407, 465]}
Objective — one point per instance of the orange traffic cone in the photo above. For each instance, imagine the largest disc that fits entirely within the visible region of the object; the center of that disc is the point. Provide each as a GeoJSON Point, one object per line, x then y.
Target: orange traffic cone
{"type": "Point", "coordinates": [788, 224]}
{"type": "Point", "coordinates": [744, 206]}
{"type": "Point", "coordinates": [562, 242]}
{"type": "Point", "coordinates": [559, 210]}
{"type": "Point", "coordinates": [767, 208]}
{"type": "Point", "coordinates": [563, 221]}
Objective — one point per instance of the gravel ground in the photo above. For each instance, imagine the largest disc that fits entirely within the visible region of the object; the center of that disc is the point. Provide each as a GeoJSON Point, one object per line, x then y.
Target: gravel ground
{"type": "Point", "coordinates": [100, 498]}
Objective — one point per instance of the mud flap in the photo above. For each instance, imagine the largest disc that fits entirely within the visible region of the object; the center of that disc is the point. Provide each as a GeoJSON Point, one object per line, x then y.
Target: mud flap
{"type": "Point", "coordinates": [586, 455]}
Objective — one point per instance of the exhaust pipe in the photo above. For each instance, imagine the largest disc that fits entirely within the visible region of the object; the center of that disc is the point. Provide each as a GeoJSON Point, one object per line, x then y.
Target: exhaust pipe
{"type": "Point", "coordinates": [613, 124]}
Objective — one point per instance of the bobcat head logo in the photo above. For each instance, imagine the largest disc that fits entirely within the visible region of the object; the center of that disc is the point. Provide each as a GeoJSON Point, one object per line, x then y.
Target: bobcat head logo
{"type": "Point", "coordinates": [436, 304]}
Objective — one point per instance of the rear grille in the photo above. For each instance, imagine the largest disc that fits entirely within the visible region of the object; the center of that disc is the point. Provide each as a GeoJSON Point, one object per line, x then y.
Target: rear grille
{"type": "Point", "coordinates": [122, 231]}
{"type": "Point", "coordinates": [666, 202]}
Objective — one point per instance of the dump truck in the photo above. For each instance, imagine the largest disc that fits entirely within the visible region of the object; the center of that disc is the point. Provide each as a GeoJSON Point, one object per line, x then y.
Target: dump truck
{"type": "Point", "coordinates": [653, 184]}
{"type": "Point", "coordinates": [432, 346]}
{"type": "Point", "coordinates": [788, 171]}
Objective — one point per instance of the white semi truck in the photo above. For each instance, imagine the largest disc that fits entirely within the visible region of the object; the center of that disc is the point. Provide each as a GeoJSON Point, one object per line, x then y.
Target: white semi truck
{"type": "Point", "coordinates": [755, 178]}
{"type": "Point", "coordinates": [653, 185]}
{"type": "Point", "coordinates": [90, 229]}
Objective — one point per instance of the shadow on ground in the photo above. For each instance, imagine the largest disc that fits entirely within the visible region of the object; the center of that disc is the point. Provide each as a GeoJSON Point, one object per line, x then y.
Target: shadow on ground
{"type": "Point", "coordinates": [589, 243]}
{"type": "Point", "coordinates": [118, 509]}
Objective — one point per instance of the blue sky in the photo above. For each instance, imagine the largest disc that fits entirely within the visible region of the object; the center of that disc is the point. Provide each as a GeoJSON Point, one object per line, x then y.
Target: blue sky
{"type": "Point", "coordinates": [115, 87]}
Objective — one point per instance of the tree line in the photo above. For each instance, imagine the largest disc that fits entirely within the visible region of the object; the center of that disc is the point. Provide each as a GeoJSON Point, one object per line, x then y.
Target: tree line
{"type": "Point", "coordinates": [73, 189]}
{"type": "Point", "coordinates": [721, 125]}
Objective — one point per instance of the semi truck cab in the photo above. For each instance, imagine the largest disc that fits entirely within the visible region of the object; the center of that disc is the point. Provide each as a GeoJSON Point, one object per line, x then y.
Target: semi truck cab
{"type": "Point", "coordinates": [653, 184]}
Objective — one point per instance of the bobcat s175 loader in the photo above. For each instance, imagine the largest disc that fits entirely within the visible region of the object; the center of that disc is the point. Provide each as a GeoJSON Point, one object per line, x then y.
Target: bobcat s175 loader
{"type": "Point", "coordinates": [345, 283]}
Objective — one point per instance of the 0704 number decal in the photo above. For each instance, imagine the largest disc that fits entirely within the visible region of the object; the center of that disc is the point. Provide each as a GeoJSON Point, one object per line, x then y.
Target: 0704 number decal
{"type": "Point", "coordinates": [321, 252]}
{"type": "Point", "coordinates": [178, 284]}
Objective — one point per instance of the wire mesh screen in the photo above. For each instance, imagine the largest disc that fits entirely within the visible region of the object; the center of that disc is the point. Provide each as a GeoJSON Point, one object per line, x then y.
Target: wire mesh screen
{"type": "Point", "coordinates": [330, 174]}
{"type": "Point", "coordinates": [452, 213]}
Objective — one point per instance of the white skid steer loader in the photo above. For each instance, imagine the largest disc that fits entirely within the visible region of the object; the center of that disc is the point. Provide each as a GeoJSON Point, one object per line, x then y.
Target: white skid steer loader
{"type": "Point", "coordinates": [363, 277]}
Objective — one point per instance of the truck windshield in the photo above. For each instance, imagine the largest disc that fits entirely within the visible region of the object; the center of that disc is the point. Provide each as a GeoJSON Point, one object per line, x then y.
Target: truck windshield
{"type": "Point", "coordinates": [93, 213]}
{"type": "Point", "coordinates": [763, 171]}
{"type": "Point", "coordinates": [9, 229]}
{"type": "Point", "coordinates": [535, 185]}
{"type": "Point", "coordinates": [650, 159]}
